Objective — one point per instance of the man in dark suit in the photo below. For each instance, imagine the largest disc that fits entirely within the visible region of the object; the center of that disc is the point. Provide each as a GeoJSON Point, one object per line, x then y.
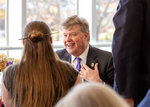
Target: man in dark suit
{"type": "Point", "coordinates": [97, 65]}
{"type": "Point", "coordinates": [131, 51]}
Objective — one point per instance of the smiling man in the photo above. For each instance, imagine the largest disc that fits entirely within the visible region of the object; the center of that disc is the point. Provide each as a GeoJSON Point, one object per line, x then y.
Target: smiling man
{"type": "Point", "coordinates": [93, 64]}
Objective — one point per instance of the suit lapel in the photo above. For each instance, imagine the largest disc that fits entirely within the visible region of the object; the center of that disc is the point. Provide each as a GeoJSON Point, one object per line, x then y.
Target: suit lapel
{"type": "Point", "coordinates": [91, 57]}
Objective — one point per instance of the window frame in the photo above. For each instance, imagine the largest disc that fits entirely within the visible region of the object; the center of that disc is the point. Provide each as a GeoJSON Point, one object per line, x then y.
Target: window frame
{"type": "Point", "coordinates": [79, 10]}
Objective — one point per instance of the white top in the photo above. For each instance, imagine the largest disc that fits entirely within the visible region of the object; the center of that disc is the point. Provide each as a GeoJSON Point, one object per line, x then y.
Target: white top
{"type": "Point", "coordinates": [83, 56]}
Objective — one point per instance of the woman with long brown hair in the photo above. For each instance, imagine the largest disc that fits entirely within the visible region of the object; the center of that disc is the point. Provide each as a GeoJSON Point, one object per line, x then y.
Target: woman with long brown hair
{"type": "Point", "coordinates": [40, 79]}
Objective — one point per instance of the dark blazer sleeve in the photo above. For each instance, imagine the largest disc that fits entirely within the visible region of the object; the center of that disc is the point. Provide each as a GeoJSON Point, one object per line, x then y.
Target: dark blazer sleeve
{"type": "Point", "coordinates": [128, 22]}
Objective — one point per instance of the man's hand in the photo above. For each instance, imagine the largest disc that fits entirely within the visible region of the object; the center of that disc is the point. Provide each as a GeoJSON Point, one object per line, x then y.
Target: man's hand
{"type": "Point", "coordinates": [89, 74]}
{"type": "Point", "coordinates": [130, 101]}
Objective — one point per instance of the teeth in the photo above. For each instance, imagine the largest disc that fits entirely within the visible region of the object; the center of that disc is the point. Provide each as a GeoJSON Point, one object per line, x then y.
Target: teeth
{"type": "Point", "coordinates": [69, 44]}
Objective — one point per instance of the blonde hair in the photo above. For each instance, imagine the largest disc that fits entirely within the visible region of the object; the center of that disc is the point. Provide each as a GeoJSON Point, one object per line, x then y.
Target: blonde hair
{"type": "Point", "coordinates": [92, 95]}
{"type": "Point", "coordinates": [75, 20]}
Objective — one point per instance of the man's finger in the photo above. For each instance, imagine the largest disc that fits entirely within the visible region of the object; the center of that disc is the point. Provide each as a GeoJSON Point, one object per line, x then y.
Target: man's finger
{"type": "Point", "coordinates": [85, 66]}
{"type": "Point", "coordinates": [83, 69]}
{"type": "Point", "coordinates": [96, 67]}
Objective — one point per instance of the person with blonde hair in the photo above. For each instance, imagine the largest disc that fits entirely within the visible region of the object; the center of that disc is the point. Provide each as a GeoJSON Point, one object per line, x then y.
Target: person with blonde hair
{"type": "Point", "coordinates": [92, 95]}
{"type": "Point", "coordinates": [41, 78]}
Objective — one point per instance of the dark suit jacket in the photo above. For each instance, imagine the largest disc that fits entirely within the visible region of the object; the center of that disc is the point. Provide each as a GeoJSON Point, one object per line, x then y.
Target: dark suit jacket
{"type": "Point", "coordinates": [131, 48]}
{"type": "Point", "coordinates": [95, 55]}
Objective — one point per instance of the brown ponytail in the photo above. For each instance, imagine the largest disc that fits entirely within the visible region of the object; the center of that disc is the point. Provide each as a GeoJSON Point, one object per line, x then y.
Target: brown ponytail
{"type": "Point", "coordinates": [40, 79]}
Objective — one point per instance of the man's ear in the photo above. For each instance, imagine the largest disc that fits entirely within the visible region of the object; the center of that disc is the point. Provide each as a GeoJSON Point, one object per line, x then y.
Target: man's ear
{"type": "Point", "coordinates": [51, 40]}
{"type": "Point", "coordinates": [23, 41]}
{"type": "Point", "coordinates": [86, 35]}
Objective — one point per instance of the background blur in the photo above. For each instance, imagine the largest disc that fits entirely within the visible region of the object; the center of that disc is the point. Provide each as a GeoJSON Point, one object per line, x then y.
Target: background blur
{"type": "Point", "coordinates": [15, 14]}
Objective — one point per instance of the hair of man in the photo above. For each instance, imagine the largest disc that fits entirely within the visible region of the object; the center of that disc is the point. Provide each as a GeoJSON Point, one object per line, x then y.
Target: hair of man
{"type": "Point", "coordinates": [76, 20]}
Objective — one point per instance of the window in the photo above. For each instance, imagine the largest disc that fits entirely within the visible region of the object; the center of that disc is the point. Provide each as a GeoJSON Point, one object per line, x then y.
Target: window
{"type": "Point", "coordinates": [53, 12]}
{"type": "Point", "coordinates": [15, 14]}
{"type": "Point", "coordinates": [2, 23]}
{"type": "Point", "coordinates": [105, 10]}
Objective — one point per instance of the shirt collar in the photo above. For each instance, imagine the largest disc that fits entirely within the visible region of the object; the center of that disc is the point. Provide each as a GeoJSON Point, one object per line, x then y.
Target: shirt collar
{"type": "Point", "coordinates": [83, 56]}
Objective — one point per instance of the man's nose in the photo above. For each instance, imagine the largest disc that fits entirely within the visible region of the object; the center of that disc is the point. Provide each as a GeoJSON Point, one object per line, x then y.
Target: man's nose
{"type": "Point", "coordinates": [68, 38]}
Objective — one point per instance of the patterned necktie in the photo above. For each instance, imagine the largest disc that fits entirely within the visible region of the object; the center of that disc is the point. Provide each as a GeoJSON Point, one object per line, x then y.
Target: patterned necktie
{"type": "Point", "coordinates": [78, 67]}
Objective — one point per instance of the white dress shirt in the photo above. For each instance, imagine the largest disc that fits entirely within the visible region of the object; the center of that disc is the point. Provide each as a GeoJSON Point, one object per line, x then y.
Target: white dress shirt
{"type": "Point", "coordinates": [83, 56]}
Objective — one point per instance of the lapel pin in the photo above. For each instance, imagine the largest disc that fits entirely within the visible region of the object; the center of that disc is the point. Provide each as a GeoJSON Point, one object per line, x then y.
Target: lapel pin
{"type": "Point", "coordinates": [92, 64]}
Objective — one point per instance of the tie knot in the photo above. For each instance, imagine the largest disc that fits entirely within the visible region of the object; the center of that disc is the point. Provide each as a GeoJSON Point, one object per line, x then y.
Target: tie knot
{"type": "Point", "coordinates": [78, 59]}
